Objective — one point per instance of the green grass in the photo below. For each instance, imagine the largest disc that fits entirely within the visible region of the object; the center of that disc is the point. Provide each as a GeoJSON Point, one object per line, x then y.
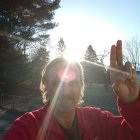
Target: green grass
{"type": "Point", "coordinates": [98, 96]}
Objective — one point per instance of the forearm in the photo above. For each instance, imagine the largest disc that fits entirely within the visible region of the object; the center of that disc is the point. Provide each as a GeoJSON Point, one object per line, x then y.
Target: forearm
{"type": "Point", "coordinates": [131, 114]}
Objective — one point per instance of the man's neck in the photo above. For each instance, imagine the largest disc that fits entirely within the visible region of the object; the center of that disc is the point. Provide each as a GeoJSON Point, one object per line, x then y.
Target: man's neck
{"type": "Point", "coordinates": [65, 119]}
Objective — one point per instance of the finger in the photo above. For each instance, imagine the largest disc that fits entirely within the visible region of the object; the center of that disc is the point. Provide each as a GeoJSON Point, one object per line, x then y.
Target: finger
{"type": "Point", "coordinates": [113, 56]}
{"type": "Point", "coordinates": [134, 74]}
{"type": "Point", "coordinates": [128, 68]}
{"type": "Point", "coordinates": [135, 79]}
{"type": "Point", "coordinates": [119, 57]}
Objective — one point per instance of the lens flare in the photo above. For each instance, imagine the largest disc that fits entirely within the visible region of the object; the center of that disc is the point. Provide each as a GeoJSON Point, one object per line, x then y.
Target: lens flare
{"type": "Point", "coordinates": [47, 122]}
{"type": "Point", "coordinates": [66, 76]}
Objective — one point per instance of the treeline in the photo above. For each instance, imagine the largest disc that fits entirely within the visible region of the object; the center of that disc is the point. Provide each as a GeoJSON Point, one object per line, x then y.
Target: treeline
{"type": "Point", "coordinates": [23, 29]}
{"type": "Point", "coordinates": [23, 38]}
{"type": "Point", "coordinates": [24, 34]}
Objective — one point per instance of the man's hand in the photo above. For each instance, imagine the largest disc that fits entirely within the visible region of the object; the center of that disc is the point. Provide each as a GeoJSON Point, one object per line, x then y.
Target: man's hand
{"type": "Point", "coordinates": [123, 77]}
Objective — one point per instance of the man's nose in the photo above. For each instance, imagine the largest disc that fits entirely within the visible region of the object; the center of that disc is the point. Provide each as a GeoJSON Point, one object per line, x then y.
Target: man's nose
{"type": "Point", "coordinates": [66, 88]}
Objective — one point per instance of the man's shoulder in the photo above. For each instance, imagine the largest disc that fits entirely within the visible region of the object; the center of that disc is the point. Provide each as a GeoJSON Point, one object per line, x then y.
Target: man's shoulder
{"type": "Point", "coordinates": [88, 114]}
{"type": "Point", "coordinates": [92, 111]}
{"type": "Point", "coordinates": [26, 124]}
{"type": "Point", "coordinates": [36, 114]}
{"type": "Point", "coordinates": [42, 110]}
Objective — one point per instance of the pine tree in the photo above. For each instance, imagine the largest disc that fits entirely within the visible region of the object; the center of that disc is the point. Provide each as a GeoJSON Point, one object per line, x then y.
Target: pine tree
{"type": "Point", "coordinates": [39, 59]}
{"type": "Point", "coordinates": [90, 54]}
{"type": "Point", "coordinates": [25, 21]}
{"type": "Point", "coordinates": [22, 24]}
{"type": "Point", "coordinates": [61, 47]}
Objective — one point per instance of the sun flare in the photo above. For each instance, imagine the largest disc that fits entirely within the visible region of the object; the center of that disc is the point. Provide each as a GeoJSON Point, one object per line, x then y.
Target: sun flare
{"type": "Point", "coordinates": [80, 31]}
{"type": "Point", "coordinates": [72, 55]}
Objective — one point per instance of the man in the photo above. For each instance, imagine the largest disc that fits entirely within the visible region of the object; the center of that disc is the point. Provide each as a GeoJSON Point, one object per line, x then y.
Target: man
{"type": "Point", "coordinates": [62, 118]}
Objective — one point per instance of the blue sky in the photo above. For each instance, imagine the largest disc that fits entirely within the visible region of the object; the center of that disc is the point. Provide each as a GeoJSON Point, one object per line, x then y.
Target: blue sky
{"type": "Point", "coordinates": [96, 22]}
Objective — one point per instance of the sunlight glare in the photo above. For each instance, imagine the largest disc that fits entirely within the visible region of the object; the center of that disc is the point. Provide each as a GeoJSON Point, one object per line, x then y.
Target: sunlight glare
{"type": "Point", "coordinates": [80, 31]}
{"type": "Point", "coordinates": [49, 116]}
{"type": "Point", "coordinates": [72, 55]}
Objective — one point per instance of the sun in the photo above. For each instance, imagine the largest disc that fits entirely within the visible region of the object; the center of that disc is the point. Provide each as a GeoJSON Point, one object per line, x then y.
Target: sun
{"type": "Point", "coordinates": [73, 55]}
{"type": "Point", "coordinates": [80, 31]}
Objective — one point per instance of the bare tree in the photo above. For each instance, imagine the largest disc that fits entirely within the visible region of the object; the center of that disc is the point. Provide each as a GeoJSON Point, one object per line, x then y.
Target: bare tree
{"type": "Point", "coordinates": [103, 55]}
{"type": "Point", "coordinates": [132, 52]}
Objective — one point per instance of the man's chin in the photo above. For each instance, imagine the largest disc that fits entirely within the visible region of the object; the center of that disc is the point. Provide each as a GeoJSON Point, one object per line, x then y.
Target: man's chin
{"type": "Point", "coordinates": [65, 108]}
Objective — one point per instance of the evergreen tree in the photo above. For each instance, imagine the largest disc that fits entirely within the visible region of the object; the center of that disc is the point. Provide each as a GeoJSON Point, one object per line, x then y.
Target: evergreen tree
{"type": "Point", "coordinates": [61, 47]}
{"type": "Point", "coordinates": [14, 69]}
{"type": "Point", "coordinates": [90, 54]}
{"type": "Point", "coordinates": [39, 59]}
{"type": "Point", "coordinates": [21, 20]}
{"type": "Point", "coordinates": [22, 23]}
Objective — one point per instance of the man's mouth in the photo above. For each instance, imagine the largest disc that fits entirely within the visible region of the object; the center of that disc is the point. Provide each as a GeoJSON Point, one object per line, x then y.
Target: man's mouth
{"type": "Point", "coordinates": [67, 97]}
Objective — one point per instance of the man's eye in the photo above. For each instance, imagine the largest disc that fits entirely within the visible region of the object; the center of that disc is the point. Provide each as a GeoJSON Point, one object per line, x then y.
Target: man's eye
{"type": "Point", "coordinates": [74, 83]}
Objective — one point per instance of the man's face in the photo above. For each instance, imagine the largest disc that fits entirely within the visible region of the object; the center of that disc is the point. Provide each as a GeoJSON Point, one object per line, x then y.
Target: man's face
{"type": "Point", "coordinates": [64, 88]}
